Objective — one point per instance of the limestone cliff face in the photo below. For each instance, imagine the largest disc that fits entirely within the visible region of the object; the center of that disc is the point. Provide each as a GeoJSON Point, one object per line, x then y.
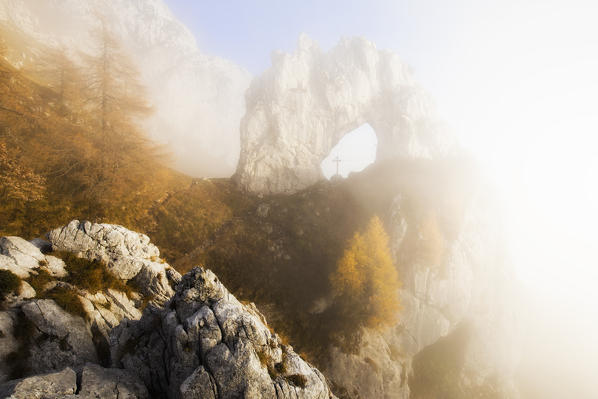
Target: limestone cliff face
{"type": "Point", "coordinates": [304, 104]}
{"type": "Point", "coordinates": [194, 339]}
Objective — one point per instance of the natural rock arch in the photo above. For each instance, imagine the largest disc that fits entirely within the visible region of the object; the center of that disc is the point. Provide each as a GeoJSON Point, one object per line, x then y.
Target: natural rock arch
{"type": "Point", "coordinates": [308, 100]}
{"type": "Point", "coordinates": [355, 151]}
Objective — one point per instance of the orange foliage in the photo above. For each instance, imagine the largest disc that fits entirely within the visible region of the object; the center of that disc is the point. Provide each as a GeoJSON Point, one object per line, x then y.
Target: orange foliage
{"type": "Point", "coordinates": [366, 280]}
{"type": "Point", "coordinates": [17, 181]}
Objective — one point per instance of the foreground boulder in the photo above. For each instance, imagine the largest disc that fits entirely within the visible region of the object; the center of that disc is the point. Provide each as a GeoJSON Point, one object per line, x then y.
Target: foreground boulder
{"type": "Point", "coordinates": [49, 321]}
{"type": "Point", "coordinates": [54, 385]}
{"type": "Point", "coordinates": [206, 344]}
{"type": "Point", "coordinates": [162, 336]}
{"type": "Point", "coordinates": [20, 257]}
{"type": "Point", "coordinates": [59, 338]}
{"type": "Point", "coordinates": [95, 382]}
{"type": "Point", "coordinates": [128, 255]}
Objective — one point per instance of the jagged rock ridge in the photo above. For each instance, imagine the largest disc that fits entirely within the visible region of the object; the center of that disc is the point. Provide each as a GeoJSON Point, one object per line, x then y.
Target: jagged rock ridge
{"type": "Point", "coordinates": [213, 346]}
{"type": "Point", "coordinates": [201, 343]}
{"type": "Point", "coordinates": [128, 255]}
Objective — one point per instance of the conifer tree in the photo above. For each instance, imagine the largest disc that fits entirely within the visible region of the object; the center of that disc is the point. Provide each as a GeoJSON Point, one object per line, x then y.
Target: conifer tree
{"type": "Point", "coordinates": [365, 281]}
{"type": "Point", "coordinates": [116, 102]}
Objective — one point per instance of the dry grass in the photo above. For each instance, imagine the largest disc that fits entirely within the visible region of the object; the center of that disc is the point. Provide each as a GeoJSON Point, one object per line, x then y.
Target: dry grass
{"type": "Point", "coordinates": [92, 276]}
{"type": "Point", "coordinates": [40, 280]}
{"type": "Point", "coordinates": [299, 380]}
{"type": "Point", "coordinates": [67, 299]}
{"type": "Point", "coordinates": [9, 282]}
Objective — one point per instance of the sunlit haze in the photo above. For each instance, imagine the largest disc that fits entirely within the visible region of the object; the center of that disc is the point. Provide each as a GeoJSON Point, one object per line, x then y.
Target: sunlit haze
{"type": "Point", "coordinates": [406, 189]}
{"type": "Point", "coordinates": [516, 81]}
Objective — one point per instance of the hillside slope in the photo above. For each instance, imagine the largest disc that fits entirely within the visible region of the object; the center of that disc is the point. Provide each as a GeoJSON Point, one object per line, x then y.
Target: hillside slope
{"type": "Point", "coordinates": [198, 98]}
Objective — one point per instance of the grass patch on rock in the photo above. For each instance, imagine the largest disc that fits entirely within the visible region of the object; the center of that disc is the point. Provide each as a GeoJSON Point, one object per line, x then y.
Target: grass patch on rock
{"type": "Point", "coordinates": [90, 275]}
{"type": "Point", "coordinates": [67, 299]}
{"type": "Point", "coordinates": [298, 380]}
{"type": "Point", "coordinates": [40, 280]}
{"type": "Point", "coordinates": [9, 282]}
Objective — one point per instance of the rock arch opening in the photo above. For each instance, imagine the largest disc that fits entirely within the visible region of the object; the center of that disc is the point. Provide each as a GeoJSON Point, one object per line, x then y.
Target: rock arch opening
{"type": "Point", "coordinates": [353, 153]}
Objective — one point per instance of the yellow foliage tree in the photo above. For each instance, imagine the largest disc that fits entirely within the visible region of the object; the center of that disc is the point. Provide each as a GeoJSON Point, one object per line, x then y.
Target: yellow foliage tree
{"type": "Point", "coordinates": [366, 281]}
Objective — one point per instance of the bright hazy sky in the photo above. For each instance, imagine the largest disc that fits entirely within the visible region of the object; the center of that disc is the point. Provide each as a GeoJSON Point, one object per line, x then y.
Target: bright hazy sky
{"type": "Point", "coordinates": [517, 80]}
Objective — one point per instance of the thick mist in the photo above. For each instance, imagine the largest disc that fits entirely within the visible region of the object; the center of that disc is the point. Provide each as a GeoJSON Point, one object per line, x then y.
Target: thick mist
{"type": "Point", "coordinates": [197, 99]}
{"type": "Point", "coordinates": [515, 83]}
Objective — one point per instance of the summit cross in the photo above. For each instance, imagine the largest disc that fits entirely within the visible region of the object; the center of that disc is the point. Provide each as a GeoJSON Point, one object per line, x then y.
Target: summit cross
{"type": "Point", "coordinates": [337, 160]}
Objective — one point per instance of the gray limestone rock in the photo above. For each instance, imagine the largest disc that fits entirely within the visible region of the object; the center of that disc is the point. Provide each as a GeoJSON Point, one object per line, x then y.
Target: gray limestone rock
{"type": "Point", "coordinates": [127, 254]}
{"type": "Point", "coordinates": [103, 383]}
{"type": "Point", "coordinates": [205, 343]}
{"type": "Point", "coordinates": [60, 338]}
{"type": "Point", "coordinates": [8, 343]}
{"type": "Point", "coordinates": [42, 245]}
{"type": "Point", "coordinates": [95, 382]}
{"type": "Point", "coordinates": [21, 257]}
{"type": "Point", "coordinates": [122, 250]}
{"type": "Point", "coordinates": [45, 386]}
{"type": "Point", "coordinates": [24, 292]}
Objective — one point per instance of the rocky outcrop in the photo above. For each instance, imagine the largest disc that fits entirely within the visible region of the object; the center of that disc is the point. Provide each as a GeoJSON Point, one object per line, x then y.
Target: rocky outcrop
{"type": "Point", "coordinates": [107, 383]}
{"type": "Point", "coordinates": [206, 344]}
{"type": "Point", "coordinates": [128, 255]}
{"type": "Point", "coordinates": [58, 339]}
{"type": "Point", "coordinates": [63, 325]}
{"type": "Point", "coordinates": [39, 336]}
{"type": "Point", "coordinates": [20, 257]}
{"type": "Point", "coordinates": [300, 108]}
{"type": "Point", "coordinates": [53, 385]}
{"type": "Point", "coordinates": [95, 382]}
{"type": "Point", "coordinates": [197, 342]}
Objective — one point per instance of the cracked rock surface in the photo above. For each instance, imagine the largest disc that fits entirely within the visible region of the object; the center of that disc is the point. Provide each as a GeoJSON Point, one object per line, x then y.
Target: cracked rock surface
{"type": "Point", "coordinates": [95, 382]}
{"type": "Point", "coordinates": [129, 255]}
{"type": "Point", "coordinates": [206, 344]}
{"type": "Point", "coordinates": [193, 340]}
{"type": "Point", "coordinates": [54, 385]}
{"type": "Point", "coordinates": [21, 256]}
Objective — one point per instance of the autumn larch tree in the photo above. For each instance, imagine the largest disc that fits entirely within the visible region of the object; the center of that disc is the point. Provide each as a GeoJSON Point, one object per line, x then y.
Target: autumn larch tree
{"type": "Point", "coordinates": [365, 281]}
{"type": "Point", "coordinates": [116, 101]}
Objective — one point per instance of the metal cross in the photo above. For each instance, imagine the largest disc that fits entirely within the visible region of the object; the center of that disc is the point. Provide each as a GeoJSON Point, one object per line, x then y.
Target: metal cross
{"type": "Point", "coordinates": [337, 160]}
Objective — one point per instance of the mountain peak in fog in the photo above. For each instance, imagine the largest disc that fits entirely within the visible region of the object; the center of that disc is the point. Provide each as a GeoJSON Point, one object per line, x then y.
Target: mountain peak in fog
{"type": "Point", "coordinates": [198, 98]}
